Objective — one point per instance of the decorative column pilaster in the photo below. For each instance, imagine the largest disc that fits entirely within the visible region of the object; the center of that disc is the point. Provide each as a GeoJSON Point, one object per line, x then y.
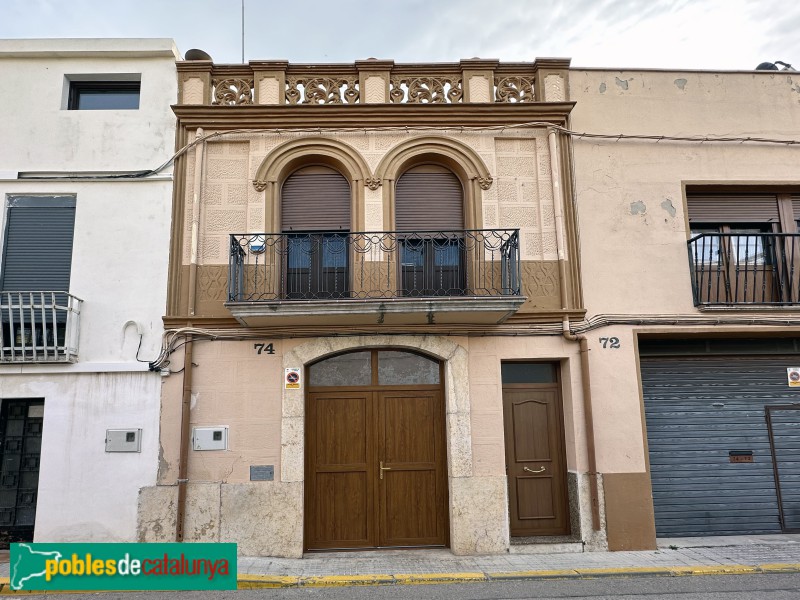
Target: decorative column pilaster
{"type": "Point", "coordinates": [269, 81]}
{"type": "Point", "coordinates": [373, 80]}
{"type": "Point", "coordinates": [477, 77]}
{"type": "Point", "coordinates": [552, 79]}
{"type": "Point", "coordinates": [194, 81]}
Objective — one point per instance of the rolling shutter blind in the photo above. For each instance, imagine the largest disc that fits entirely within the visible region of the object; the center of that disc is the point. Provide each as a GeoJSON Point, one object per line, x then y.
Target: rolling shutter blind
{"type": "Point", "coordinates": [733, 209]}
{"type": "Point", "coordinates": [315, 199]}
{"type": "Point", "coordinates": [429, 199]}
{"type": "Point", "coordinates": [796, 207]}
{"type": "Point", "coordinates": [38, 244]}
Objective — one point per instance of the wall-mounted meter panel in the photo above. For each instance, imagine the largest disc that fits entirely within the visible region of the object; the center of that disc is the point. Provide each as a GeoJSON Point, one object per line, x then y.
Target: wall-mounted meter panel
{"type": "Point", "coordinates": [123, 440]}
{"type": "Point", "coordinates": [210, 438]}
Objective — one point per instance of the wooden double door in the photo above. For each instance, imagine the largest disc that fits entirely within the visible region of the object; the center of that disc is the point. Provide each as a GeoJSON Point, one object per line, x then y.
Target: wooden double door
{"type": "Point", "coordinates": [375, 469]}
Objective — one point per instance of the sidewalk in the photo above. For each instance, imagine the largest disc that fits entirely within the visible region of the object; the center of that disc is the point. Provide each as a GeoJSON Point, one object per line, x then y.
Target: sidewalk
{"type": "Point", "coordinates": [674, 557]}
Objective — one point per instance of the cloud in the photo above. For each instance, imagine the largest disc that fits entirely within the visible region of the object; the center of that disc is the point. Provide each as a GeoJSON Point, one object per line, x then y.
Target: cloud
{"type": "Point", "coordinates": [711, 34]}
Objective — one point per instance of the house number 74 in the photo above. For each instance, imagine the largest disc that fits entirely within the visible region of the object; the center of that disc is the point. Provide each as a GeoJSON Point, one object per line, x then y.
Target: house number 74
{"type": "Point", "coordinates": [610, 342]}
{"type": "Point", "coordinates": [264, 348]}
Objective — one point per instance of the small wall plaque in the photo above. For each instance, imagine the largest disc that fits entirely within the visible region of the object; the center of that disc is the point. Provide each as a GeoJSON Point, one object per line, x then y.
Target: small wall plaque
{"type": "Point", "coordinates": [740, 456]}
{"type": "Point", "coordinates": [262, 472]}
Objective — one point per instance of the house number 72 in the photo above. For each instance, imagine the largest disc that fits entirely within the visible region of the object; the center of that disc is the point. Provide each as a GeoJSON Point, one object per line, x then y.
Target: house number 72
{"type": "Point", "coordinates": [610, 342]}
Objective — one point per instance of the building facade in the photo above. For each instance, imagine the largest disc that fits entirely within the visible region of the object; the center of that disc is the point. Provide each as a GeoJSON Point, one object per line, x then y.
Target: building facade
{"type": "Point", "coordinates": [85, 239]}
{"type": "Point", "coordinates": [477, 306]}
{"type": "Point", "coordinates": [358, 251]}
{"type": "Point", "coordinates": [689, 261]}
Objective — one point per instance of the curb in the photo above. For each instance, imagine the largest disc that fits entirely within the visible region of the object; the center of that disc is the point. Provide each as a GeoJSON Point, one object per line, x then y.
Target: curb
{"type": "Point", "coordinates": [269, 581]}
{"type": "Point", "coordinates": [252, 582]}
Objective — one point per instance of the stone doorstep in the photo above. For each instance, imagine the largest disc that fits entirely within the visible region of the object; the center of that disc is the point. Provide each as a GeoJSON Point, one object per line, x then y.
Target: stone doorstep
{"type": "Point", "coordinates": [544, 548]}
{"type": "Point", "coordinates": [546, 544]}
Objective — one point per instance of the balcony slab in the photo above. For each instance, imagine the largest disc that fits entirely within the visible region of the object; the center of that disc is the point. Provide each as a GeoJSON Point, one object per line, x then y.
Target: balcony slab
{"type": "Point", "coordinates": [383, 311]}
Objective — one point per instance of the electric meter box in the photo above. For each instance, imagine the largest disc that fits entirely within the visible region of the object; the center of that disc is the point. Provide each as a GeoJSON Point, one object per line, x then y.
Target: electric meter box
{"type": "Point", "coordinates": [123, 440]}
{"type": "Point", "coordinates": [210, 438]}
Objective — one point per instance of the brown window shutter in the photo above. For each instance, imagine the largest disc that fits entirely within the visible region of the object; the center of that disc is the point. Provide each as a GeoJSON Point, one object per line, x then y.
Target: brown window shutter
{"type": "Point", "coordinates": [733, 209]}
{"type": "Point", "coordinates": [429, 198]}
{"type": "Point", "coordinates": [315, 199]}
{"type": "Point", "coordinates": [796, 207]}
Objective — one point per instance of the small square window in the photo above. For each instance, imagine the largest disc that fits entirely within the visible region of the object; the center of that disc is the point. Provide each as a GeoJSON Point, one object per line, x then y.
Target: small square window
{"type": "Point", "coordinates": [104, 95]}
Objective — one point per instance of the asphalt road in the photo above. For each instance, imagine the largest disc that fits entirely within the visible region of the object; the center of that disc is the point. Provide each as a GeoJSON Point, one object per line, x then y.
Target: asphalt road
{"type": "Point", "coordinates": [727, 587]}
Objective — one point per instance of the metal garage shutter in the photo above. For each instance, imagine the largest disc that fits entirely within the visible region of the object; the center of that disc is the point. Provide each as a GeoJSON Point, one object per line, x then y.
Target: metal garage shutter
{"type": "Point", "coordinates": [315, 199]}
{"type": "Point", "coordinates": [429, 198]}
{"type": "Point", "coordinates": [698, 411]}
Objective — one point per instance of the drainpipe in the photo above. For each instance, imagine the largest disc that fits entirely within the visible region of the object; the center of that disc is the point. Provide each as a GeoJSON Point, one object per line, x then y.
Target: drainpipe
{"type": "Point", "coordinates": [588, 421]}
{"type": "Point", "coordinates": [558, 212]}
{"type": "Point", "coordinates": [183, 461]}
{"type": "Point", "coordinates": [186, 397]}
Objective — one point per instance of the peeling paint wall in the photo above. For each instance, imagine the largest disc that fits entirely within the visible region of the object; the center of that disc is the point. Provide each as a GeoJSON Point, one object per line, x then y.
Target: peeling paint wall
{"type": "Point", "coordinates": [631, 215]}
{"type": "Point", "coordinates": [630, 203]}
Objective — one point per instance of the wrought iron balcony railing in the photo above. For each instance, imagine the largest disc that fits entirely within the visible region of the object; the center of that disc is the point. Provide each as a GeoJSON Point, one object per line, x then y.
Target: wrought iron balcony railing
{"type": "Point", "coordinates": [335, 265]}
{"type": "Point", "coordinates": [39, 326]}
{"type": "Point", "coordinates": [745, 269]}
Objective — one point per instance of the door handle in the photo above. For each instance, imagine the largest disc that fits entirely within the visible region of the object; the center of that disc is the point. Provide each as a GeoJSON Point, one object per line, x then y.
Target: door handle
{"type": "Point", "coordinates": [381, 469]}
{"type": "Point", "coordinates": [526, 469]}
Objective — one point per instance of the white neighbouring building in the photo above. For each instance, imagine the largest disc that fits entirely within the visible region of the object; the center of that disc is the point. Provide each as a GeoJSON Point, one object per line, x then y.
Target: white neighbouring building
{"type": "Point", "coordinates": [84, 235]}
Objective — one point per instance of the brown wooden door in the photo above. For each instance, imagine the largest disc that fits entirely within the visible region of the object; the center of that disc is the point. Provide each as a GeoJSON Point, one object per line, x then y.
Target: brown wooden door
{"type": "Point", "coordinates": [375, 469]}
{"type": "Point", "coordinates": [535, 460]}
{"type": "Point", "coordinates": [412, 463]}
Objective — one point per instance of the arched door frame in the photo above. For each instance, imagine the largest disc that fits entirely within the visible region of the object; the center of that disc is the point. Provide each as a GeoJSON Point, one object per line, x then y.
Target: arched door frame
{"type": "Point", "coordinates": [457, 418]}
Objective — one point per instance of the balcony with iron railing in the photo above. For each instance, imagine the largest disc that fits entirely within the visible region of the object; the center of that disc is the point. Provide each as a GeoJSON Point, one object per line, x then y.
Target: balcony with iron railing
{"type": "Point", "coordinates": [745, 269]}
{"type": "Point", "coordinates": [39, 326]}
{"type": "Point", "coordinates": [382, 277]}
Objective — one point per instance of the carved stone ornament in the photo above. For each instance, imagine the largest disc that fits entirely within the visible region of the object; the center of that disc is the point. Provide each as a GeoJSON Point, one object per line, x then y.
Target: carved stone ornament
{"type": "Point", "coordinates": [514, 89]}
{"type": "Point", "coordinates": [372, 184]}
{"type": "Point", "coordinates": [485, 182]}
{"type": "Point", "coordinates": [232, 92]}
{"type": "Point", "coordinates": [322, 90]}
{"type": "Point", "coordinates": [426, 90]}
{"type": "Point", "coordinates": [260, 185]}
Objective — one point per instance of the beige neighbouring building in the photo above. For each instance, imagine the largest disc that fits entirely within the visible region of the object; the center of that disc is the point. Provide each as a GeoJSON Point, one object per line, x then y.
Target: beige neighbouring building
{"type": "Point", "coordinates": [406, 302]}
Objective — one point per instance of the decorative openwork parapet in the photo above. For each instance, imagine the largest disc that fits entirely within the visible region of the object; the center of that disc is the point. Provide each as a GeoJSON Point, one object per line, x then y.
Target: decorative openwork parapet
{"type": "Point", "coordinates": [373, 81]}
{"type": "Point", "coordinates": [514, 89]}
{"type": "Point", "coordinates": [268, 267]}
{"type": "Point", "coordinates": [232, 92]}
{"type": "Point", "coordinates": [426, 90]}
{"type": "Point", "coordinates": [322, 90]}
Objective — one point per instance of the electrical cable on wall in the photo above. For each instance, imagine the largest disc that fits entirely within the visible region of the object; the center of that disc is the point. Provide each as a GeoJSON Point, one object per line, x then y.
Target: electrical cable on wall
{"type": "Point", "coordinates": [576, 135]}
{"type": "Point", "coordinates": [174, 339]}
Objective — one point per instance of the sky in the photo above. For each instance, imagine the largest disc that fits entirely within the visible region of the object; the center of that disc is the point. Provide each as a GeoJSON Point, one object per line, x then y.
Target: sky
{"type": "Point", "coordinates": [680, 34]}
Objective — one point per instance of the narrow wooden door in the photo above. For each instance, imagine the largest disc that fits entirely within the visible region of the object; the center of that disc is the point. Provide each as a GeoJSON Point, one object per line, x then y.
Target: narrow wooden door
{"type": "Point", "coordinates": [341, 470]}
{"type": "Point", "coordinates": [411, 460]}
{"type": "Point", "coordinates": [535, 460]}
